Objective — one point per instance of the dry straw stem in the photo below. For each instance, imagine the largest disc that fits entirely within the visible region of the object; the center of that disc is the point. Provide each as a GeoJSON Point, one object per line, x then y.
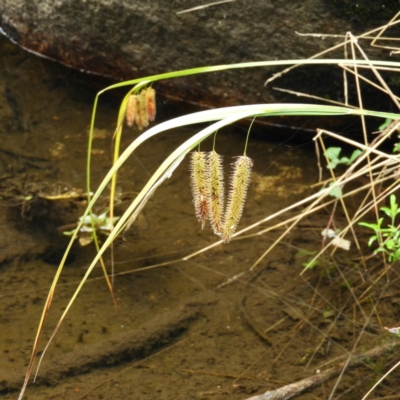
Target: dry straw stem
{"type": "Point", "coordinates": [215, 180]}
{"type": "Point", "coordinates": [198, 181]}
{"type": "Point", "coordinates": [240, 180]}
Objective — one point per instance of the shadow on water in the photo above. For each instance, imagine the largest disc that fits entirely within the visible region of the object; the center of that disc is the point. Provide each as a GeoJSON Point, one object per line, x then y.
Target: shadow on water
{"type": "Point", "coordinates": [182, 331]}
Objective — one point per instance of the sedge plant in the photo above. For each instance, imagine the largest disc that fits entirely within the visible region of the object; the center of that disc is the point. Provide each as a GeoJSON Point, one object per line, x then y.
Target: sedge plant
{"type": "Point", "coordinates": [217, 119]}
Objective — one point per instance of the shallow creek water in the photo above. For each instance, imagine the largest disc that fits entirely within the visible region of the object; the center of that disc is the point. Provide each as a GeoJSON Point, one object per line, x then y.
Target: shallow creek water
{"type": "Point", "coordinates": [185, 330]}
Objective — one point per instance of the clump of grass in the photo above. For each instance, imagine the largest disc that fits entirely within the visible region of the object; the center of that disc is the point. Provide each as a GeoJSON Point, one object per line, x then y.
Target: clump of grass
{"type": "Point", "coordinates": [242, 167]}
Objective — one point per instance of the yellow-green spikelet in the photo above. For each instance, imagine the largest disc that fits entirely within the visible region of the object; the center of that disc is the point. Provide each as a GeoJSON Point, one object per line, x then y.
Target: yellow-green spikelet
{"type": "Point", "coordinates": [239, 184]}
{"type": "Point", "coordinates": [150, 96]}
{"type": "Point", "coordinates": [198, 182]}
{"type": "Point", "coordinates": [215, 193]}
{"type": "Point", "coordinates": [131, 110]}
{"type": "Point", "coordinates": [142, 117]}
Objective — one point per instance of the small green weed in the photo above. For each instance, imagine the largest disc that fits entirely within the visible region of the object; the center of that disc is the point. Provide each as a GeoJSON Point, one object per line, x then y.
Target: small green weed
{"type": "Point", "coordinates": [333, 155]}
{"type": "Point", "coordinates": [92, 224]}
{"type": "Point", "coordinates": [336, 191]}
{"type": "Point", "coordinates": [310, 262]}
{"type": "Point", "coordinates": [387, 237]}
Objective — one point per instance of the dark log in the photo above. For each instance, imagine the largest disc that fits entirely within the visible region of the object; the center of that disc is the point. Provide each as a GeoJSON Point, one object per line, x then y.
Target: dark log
{"type": "Point", "coordinates": [133, 39]}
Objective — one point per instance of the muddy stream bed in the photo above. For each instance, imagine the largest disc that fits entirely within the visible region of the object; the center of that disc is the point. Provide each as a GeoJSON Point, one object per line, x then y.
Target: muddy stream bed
{"type": "Point", "coordinates": [185, 330]}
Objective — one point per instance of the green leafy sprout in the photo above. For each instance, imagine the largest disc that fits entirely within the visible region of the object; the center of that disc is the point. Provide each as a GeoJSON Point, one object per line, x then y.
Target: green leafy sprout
{"type": "Point", "coordinates": [93, 223]}
{"type": "Point", "coordinates": [336, 191]}
{"type": "Point", "coordinates": [388, 237]}
{"type": "Point", "coordinates": [333, 155]}
{"type": "Point", "coordinates": [310, 263]}
{"type": "Point", "coordinates": [386, 124]}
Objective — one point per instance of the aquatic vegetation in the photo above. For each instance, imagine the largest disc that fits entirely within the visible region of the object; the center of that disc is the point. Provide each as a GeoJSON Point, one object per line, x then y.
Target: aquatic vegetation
{"type": "Point", "coordinates": [92, 224]}
{"type": "Point", "coordinates": [138, 107]}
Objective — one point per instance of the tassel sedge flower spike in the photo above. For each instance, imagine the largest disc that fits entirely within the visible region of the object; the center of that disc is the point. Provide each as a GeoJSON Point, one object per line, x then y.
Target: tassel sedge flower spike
{"type": "Point", "coordinates": [131, 110]}
{"type": "Point", "coordinates": [150, 97]}
{"type": "Point", "coordinates": [215, 183]}
{"type": "Point", "coordinates": [142, 118]}
{"type": "Point", "coordinates": [198, 170]}
{"type": "Point", "coordinates": [239, 184]}
{"type": "Point", "coordinates": [138, 115]}
{"type": "Point", "coordinates": [141, 108]}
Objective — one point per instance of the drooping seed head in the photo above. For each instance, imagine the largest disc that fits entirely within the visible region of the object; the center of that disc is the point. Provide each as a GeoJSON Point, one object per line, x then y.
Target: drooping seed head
{"type": "Point", "coordinates": [239, 183]}
{"type": "Point", "coordinates": [142, 118]}
{"type": "Point", "coordinates": [215, 189]}
{"type": "Point", "coordinates": [198, 171]}
{"type": "Point", "coordinates": [131, 110]}
{"type": "Point", "coordinates": [150, 96]}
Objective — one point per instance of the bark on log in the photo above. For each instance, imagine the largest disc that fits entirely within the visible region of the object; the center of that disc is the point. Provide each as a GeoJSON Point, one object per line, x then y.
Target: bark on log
{"type": "Point", "coordinates": [136, 38]}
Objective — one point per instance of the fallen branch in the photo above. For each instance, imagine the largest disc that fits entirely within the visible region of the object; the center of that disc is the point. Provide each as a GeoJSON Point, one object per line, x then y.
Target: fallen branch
{"type": "Point", "coordinates": [296, 389]}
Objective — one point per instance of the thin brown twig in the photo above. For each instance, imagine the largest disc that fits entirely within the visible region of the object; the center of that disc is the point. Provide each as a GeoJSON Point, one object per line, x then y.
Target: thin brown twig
{"type": "Point", "coordinates": [296, 389]}
{"type": "Point", "coordinates": [338, 46]}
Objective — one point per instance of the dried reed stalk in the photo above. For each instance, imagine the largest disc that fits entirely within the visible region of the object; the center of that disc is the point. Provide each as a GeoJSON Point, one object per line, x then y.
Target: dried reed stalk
{"type": "Point", "coordinates": [239, 184]}
{"type": "Point", "coordinates": [215, 191]}
{"type": "Point", "coordinates": [198, 182]}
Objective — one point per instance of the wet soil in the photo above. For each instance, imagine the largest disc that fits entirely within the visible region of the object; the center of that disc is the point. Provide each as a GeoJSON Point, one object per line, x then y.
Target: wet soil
{"type": "Point", "coordinates": [202, 328]}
